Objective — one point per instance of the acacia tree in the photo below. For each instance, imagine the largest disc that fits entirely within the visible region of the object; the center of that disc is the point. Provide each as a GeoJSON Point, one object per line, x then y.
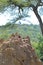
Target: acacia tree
{"type": "Point", "coordinates": [25, 3]}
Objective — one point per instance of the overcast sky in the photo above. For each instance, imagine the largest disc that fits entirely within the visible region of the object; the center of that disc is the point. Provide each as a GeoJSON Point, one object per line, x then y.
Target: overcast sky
{"type": "Point", "coordinates": [6, 17]}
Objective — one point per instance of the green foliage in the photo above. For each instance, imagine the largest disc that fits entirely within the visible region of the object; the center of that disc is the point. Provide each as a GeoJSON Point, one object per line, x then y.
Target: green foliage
{"type": "Point", "coordinates": [3, 4]}
{"type": "Point", "coordinates": [35, 45]}
{"type": "Point", "coordinates": [31, 30]}
{"type": "Point", "coordinates": [25, 3]}
{"type": "Point", "coordinates": [39, 47]}
{"type": "Point", "coordinates": [20, 3]}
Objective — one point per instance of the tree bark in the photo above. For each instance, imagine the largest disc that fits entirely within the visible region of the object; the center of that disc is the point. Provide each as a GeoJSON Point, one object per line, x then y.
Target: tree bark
{"type": "Point", "coordinates": [39, 18]}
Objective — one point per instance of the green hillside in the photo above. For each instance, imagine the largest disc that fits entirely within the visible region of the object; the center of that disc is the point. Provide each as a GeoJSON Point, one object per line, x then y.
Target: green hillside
{"type": "Point", "coordinates": [33, 31]}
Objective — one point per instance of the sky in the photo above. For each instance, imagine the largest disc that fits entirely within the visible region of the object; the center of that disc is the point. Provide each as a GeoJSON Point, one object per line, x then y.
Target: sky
{"type": "Point", "coordinates": [7, 16]}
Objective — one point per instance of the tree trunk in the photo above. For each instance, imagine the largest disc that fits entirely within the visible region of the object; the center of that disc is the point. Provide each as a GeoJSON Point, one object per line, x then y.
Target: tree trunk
{"type": "Point", "coordinates": [39, 18]}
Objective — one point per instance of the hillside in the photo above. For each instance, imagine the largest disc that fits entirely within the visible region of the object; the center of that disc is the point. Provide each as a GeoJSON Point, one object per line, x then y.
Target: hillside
{"type": "Point", "coordinates": [31, 30]}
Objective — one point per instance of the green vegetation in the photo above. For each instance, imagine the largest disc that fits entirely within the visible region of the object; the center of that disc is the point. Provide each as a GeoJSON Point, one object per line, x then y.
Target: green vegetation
{"type": "Point", "coordinates": [39, 48]}
{"type": "Point", "coordinates": [31, 30]}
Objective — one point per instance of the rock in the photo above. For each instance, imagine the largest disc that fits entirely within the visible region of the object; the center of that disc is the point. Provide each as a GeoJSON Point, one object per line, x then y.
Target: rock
{"type": "Point", "coordinates": [18, 51]}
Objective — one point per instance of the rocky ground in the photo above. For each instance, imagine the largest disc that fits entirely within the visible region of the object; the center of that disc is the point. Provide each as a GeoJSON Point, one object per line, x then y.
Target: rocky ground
{"type": "Point", "coordinates": [18, 51]}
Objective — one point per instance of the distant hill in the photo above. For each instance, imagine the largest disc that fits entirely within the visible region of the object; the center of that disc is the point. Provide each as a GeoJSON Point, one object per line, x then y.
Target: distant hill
{"type": "Point", "coordinates": [31, 30]}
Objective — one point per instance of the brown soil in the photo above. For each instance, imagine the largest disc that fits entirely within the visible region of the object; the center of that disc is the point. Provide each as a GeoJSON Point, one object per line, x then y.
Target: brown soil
{"type": "Point", "coordinates": [18, 51]}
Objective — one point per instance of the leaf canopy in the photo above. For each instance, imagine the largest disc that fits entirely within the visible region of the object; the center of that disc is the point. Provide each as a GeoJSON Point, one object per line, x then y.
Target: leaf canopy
{"type": "Point", "coordinates": [3, 3]}
{"type": "Point", "coordinates": [22, 3]}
